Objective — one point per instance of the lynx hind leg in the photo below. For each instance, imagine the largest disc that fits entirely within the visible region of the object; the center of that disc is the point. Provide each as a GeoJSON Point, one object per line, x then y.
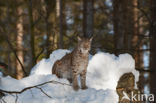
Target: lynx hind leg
{"type": "Point", "coordinates": [56, 69]}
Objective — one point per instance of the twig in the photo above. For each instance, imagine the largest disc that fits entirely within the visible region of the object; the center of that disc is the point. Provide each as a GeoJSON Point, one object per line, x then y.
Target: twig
{"type": "Point", "coordinates": [16, 98]}
{"type": "Point", "coordinates": [144, 13]}
{"type": "Point", "coordinates": [143, 70]}
{"type": "Point", "coordinates": [3, 101]}
{"type": "Point", "coordinates": [43, 92]}
{"type": "Point", "coordinates": [31, 93]}
{"type": "Point", "coordinates": [39, 54]}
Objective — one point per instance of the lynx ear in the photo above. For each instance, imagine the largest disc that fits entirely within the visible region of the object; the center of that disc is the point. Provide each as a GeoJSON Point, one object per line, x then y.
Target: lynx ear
{"type": "Point", "coordinates": [79, 38]}
{"type": "Point", "coordinates": [91, 39]}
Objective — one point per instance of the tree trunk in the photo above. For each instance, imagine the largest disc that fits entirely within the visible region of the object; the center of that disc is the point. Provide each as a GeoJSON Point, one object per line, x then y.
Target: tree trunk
{"type": "Point", "coordinates": [140, 63]}
{"type": "Point", "coordinates": [135, 28]}
{"type": "Point", "coordinates": [19, 42]}
{"type": "Point", "coordinates": [59, 4]}
{"type": "Point", "coordinates": [125, 26]}
{"type": "Point", "coordinates": [117, 22]}
{"type": "Point", "coordinates": [88, 18]}
{"type": "Point", "coordinates": [47, 27]}
{"type": "Point", "coordinates": [32, 40]}
{"type": "Point", "coordinates": [126, 30]}
{"type": "Point", "coordinates": [130, 25]}
{"type": "Point", "coordinates": [152, 46]}
{"type": "Point", "coordinates": [139, 57]}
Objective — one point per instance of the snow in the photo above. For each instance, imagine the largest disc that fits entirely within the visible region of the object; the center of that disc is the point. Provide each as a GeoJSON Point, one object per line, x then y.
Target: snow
{"type": "Point", "coordinates": [103, 73]}
{"type": "Point", "coordinates": [45, 65]}
{"type": "Point", "coordinates": [104, 70]}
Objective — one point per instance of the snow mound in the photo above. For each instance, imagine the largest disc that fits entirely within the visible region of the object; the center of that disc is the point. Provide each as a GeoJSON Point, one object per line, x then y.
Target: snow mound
{"type": "Point", "coordinates": [104, 70]}
{"type": "Point", "coordinates": [103, 73]}
{"type": "Point", "coordinates": [45, 65]}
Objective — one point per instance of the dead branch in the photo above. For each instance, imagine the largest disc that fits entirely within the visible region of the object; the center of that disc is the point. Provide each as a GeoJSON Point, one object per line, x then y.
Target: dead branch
{"type": "Point", "coordinates": [144, 69]}
{"type": "Point", "coordinates": [44, 92]}
{"type": "Point", "coordinates": [2, 101]}
{"type": "Point", "coordinates": [145, 14]}
{"type": "Point", "coordinates": [16, 98]}
{"type": "Point", "coordinates": [38, 55]}
{"type": "Point", "coordinates": [35, 86]}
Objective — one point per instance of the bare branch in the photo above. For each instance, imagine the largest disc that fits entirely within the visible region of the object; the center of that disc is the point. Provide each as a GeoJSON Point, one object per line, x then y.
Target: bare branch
{"type": "Point", "coordinates": [43, 92]}
{"type": "Point", "coordinates": [39, 54]}
{"type": "Point", "coordinates": [16, 98]}
{"type": "Point", "coordinates": [36, 86]}
{"type": "Point", "coordinates": [144, 69]}
{"type": "Point", "coordinates": [3, 101]}
{"type": "Point", "coordinates": [145, 14]}
{"type": "Point", "coordinates": [31, 93]}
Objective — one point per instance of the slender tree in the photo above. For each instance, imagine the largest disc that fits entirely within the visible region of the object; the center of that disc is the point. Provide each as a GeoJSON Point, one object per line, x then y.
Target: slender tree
{"type": "Point", "coordinates": [127, 30]}
{"type": "Point", "coordinates": [32, 35]}
{"type": "Point", "coordinates": [125, 17]}
{"type": "Point", "coordinates": [47, 25]}
{"type": "Point", "coordinates": [88, 18]}
{"type": "Point", "coordinates": [59, 4]}
{"type": "Point", "coordinates": [117, 22]}
{"type": "Point", "coordinates": [152, 46]}
{"type": "Point", "coordinates": [19, 42]}
{"type": "Point", "coordinates": [48, 7]}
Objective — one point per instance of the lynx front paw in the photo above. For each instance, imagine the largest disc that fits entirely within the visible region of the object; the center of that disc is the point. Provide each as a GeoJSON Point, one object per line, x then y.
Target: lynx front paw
{"type": "Point", "coordinates": [76, 88]}
{"type": "Point", "coordinates": [84, 87]}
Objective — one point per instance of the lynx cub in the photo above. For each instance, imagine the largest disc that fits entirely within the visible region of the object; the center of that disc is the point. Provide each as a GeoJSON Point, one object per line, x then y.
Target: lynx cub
{"type": "Point", "coordinates": [74, 64]}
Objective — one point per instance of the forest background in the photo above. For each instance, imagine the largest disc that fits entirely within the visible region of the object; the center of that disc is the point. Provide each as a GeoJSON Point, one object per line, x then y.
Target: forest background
{"type": "Point", "coordinates": [31, 29]}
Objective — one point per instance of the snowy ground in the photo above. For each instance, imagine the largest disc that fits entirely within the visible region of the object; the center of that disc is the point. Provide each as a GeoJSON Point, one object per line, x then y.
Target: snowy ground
{"type": "Point", "coordinates": [104, 71]}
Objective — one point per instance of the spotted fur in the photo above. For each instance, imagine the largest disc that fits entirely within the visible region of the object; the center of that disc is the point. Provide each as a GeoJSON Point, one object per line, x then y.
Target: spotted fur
{"type": "Point", "coordinates": [74, 64]}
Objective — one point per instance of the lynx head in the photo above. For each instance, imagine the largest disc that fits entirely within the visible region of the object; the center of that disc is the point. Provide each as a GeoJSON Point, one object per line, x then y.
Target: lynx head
{"type": "Point", "coordinates": [84, 44]}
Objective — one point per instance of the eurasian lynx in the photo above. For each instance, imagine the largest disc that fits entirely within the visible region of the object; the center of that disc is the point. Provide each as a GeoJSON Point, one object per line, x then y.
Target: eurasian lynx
{"type": "Point", "coordinates": [74, 64]}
